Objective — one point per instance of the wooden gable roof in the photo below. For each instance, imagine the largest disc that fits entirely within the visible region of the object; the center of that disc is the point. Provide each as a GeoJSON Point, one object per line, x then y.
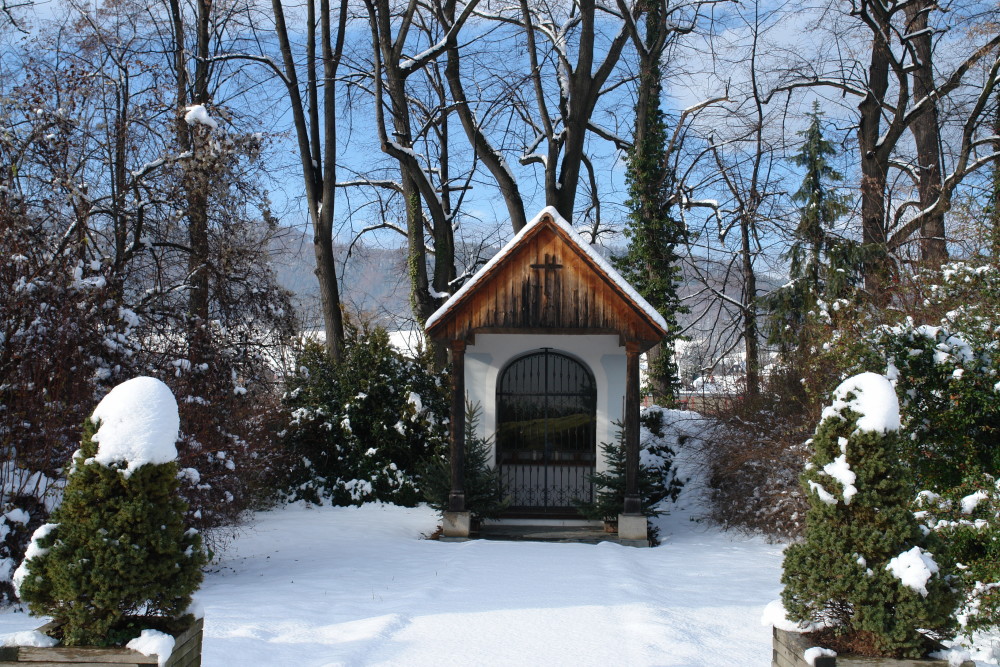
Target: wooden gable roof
{"type": "Point", "coordinates": [547, 279]}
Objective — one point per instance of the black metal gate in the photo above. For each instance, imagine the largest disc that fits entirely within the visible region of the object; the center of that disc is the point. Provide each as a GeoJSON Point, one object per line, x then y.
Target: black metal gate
{"type": "Point", "coordinates": [546, 432]}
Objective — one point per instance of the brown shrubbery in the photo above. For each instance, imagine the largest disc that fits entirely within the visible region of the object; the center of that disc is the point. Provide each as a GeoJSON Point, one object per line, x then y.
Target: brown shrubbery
{"type": "Point", "coordinates": [753, 464]}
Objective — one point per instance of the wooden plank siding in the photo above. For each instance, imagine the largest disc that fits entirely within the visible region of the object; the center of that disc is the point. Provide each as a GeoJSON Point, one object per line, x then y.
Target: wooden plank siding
{"type": "Point", "coordinates": [546, 284]}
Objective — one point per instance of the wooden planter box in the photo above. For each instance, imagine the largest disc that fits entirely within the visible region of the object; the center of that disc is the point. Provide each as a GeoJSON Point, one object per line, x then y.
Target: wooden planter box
{"type": "Point", "coordinates": [186, 653]}
{"type": "Point", "coordinates": [788, 648]}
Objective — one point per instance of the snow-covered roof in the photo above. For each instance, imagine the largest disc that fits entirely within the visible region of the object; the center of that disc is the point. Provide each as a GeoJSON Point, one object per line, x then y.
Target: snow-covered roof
{"type": "Point", "coordinates": [578, 241]}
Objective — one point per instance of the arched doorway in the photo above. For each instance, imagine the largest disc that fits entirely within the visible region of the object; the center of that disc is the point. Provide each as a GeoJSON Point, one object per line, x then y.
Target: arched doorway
{"type": "Point", "coordinates": [546, 432]}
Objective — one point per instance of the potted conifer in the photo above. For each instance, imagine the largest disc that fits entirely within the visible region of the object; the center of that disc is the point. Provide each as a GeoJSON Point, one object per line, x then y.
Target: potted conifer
{"type": "Point", "coordinates": [865, 579]}
{"type": "Point", "coordinates": [116, 567]}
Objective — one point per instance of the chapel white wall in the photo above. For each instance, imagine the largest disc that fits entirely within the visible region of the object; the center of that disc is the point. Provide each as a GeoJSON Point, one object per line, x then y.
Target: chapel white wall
{"type": "Point", "coordinates": [600, 353]}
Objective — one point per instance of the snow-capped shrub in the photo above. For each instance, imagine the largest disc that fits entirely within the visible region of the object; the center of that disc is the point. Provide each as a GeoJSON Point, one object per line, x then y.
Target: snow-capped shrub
{"type": "Point", "coordinates": [966, 519]}
{"type": "Point", "coordinates": [865, 567]}
{"type": "Point", "coordinates": [358, 430]}
{"type": "Point", "coordinates": [482, 479]}
{"type": "Point", "coordinates": [116, 556]}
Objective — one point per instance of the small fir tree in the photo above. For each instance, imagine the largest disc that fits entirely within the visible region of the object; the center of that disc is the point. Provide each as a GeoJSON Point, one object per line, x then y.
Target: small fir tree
{"type": "Point", "coordinates": [865, 567]}
{"type": "Point", "coordinates": [483, 496]}
{"type": "Point", "coordinates": [821, 266]}
{"type": "Point", "coordinates": [116, 557]}
{"type": "Point", "coordinates": [657, 480]}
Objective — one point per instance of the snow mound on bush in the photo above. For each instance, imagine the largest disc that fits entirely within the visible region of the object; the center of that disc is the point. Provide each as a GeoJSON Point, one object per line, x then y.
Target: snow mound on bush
{"type": "Point", "coordinates": [914, 568]}
{"type": "Point", "coordinates": [811, 654]}
{"type": "Point", "coordinates": [774, 614]}
{"type": "Point", "coordinates": [873, 397]}
{"type": "Point", "coordinates": [138, 424]}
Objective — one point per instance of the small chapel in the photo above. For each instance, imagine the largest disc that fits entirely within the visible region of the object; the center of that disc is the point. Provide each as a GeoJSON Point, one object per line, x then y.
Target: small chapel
{"type": "Point", "coordinates": [545, 341]}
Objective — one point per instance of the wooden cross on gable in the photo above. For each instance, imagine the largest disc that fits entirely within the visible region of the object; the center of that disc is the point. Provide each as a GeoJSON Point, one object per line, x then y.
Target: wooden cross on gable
{"type": "Point", "coordinates": [550, 264]}
{"type": "Point", "coordinates": [547, 306]}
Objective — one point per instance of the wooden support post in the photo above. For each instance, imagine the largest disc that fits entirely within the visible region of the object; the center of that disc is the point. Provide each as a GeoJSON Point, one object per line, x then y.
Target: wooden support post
{"type": "Point", "coordinates": [633, 505]}
{"type": "Point", "coordinates": [456, 498]}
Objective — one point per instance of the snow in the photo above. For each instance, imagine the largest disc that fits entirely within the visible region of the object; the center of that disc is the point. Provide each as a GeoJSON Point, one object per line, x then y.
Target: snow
{"type": "Point", "coordinates": [774, 614]}
{"type": "Point", "coordinates": [811, 654]}
{"type": "Point", "coordinates": [153, 642]}
{"type": "Point", "coordinates": [28, 638]}
{"type": "Point", "coordinates": [359, 586]}
{"type": "Point", "coordinates": [971, 501]}
{"type": "Point", "coordinates": [32, 551]}
{"type": "Point", "coordinates": [841, 471]}
{"type": "Point", "coordinates": [306, 585]}
{"type": "Point", "coordinates": [138, 424]}
{"type": "Point", "coordinates": [198, 115]}
{"type": "Point", "coordinates": [824, 495]}
{"type": "Point", "coordinates": [873, 398]}
{"type": "Point", "coordinates": [590, 251]}
{"type": "Point", "coordinates": [913, 568]}
{"type": "Point", "coordinates": [954, 656]}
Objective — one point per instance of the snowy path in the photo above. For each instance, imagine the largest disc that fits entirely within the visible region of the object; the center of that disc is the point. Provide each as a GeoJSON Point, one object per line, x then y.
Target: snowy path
{"type": "Point", "coordinates": [357, 586]}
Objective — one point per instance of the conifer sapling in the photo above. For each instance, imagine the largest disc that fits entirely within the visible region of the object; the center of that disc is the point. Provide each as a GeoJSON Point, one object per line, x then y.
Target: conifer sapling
{"type": "Point", "coordinates": [865, 567]}
{"type": "Point", "coordinates": [117, 548]}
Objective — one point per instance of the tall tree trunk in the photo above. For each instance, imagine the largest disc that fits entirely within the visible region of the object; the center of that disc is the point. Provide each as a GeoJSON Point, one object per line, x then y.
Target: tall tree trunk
{"type": "Point", "coordinates": [326, 268]}
{"type": "Point", "coordinates": [750, 334]}
{"type": "Point", "coordinates": [874, 169]}
{"type": "Point", "coordinates": [993, 206]}
{"type": "Point", "coordinates": [195, 177]}
{"type": "Point", "coordinates": [318, 164]}
{"type": "Point", "coordinates": [926, 133]}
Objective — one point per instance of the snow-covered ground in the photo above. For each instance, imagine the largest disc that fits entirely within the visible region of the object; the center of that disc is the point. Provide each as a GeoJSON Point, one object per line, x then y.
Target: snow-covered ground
{"type": "Point", "coordinates": [360, 586]}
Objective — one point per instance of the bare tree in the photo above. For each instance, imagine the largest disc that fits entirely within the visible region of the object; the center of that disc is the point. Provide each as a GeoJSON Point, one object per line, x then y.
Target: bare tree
{"type": "Point", "coordinates": [315, 123]}
{"type": "Point", "coordinates": [901, 91]}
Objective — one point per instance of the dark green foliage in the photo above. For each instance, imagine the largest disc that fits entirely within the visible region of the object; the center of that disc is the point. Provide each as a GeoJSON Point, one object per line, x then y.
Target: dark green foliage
{"type": "Point", "coordinates": [652, 262]}
{"type": "Point", "coordinates": [119, 549]}
{"type": "Point", "coordinates": [950, 406]}
{"type": "Point", "coordinates": [838, 573]}
{"type": "Point", "coordinates": [482, 479]}
{"type": "Point", "coordinates": [359, 430]}
{"type": "Point", "coordinates": [657, 481]}
{"type": "Point", "coordinates": [946, 375]}
{"type": "Point", "coordinates": [967, 519]}
{"type": "Point", "coordinates": [822, 266]}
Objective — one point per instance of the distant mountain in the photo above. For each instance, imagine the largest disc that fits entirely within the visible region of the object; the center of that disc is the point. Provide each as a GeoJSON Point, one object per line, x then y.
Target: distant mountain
{"type": "Point", "coordinates": [374, 282]}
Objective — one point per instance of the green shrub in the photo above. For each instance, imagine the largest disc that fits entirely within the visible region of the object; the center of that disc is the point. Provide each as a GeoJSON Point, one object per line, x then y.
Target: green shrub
{"type": "Point", "coordinates": [358, 430]}
{"type": "Point", "coordinates": [859, 567]}
{"type": "Point", "coordinates": [482, 479]}
{"type": "Point", "coordinates": [966, 518]}
{"type": "Point", "coordinates": [115, 553]}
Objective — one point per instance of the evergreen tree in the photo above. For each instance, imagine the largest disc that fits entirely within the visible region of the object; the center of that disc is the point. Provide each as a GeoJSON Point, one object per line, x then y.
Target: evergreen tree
{"type": "Point", "coordinates": [358, 430]}
{"type": "Point", "coordinates": [116, 550]}
{"type": "Point", "coordinates": [657, 478]}
{"type": "Point", "coordinates": [482, 479]}
{"type": "Point", "coordinates": [652, 262]}
{"type": "Point", "coordinates": [865, 567]}
{"type": "Point", "coordinates": [820, 264]}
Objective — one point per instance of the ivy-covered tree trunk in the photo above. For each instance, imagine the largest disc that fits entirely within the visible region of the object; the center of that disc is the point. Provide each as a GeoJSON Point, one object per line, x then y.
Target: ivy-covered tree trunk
{"type": "Point", "coordinates": [651, 263]}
